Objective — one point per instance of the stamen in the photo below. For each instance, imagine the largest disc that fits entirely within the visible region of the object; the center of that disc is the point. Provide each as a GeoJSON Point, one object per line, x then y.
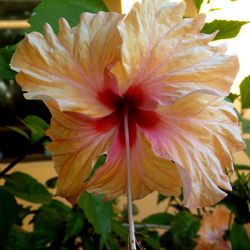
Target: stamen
{"type": "Point", "coordinates": [132, 239]}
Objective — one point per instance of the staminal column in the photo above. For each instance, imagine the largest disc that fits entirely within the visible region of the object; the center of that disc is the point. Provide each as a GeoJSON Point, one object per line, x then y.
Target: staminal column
{"type": "Point", "coordinates": [132, 239]}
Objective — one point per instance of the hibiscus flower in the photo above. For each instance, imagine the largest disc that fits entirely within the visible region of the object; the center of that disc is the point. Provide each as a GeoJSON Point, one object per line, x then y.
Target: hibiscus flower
{"type": "Point", "coordinates": [213, 229]}
{"type": "Point", "coordinates": [144, 88]}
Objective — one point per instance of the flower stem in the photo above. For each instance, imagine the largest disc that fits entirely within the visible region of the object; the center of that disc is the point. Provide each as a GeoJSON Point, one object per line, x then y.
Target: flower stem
{"type": "Point", "coordinates": [132, 240]}
{"type": "Point", "coordinates": [23, 155]}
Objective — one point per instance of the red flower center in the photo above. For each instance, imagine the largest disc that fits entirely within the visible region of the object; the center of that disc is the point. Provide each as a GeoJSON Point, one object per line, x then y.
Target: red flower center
{"type": "Point", "coordinates": [131, 103]}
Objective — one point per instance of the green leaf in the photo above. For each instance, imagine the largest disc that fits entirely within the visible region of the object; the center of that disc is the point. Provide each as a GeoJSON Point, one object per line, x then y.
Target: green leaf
{"type": "Point", "coordinates": [113, 243]}
{"type": "Point", "coordinates": [5, 56]}
{"type": "Point", "coordinates": [51, 183]}
{"type": "Point", "coordinates": [238, 205]}
{"type": "Point", "coordinates": [159, 218]}
{"type": "Point", "coordinates": [198, 4]}
{"type": "Point", "coordinates": [124, 211]}
{"type": "Point", "coordinates": [49, 222]}
{"type": "Point", "coordinates": [167, 242]}
{"type": "Point", "coordinates": [241, 167]}
{"type": "Point", "coordinates": [245, 92]}
{"type": "Point", "coordinates": [22, 213]}
{"type": "Point", "coordinates": [102, 243]}
{"type": "Point", "coordinates": [37, 126]}
{"type": "Point", "coordinates": [161, 198]}
{"type": "Point", "coordinates": [98, 213]}
{"type": "Point", "coordinates": [18, 239]}
{"type": "Point", "coordinates": [227, 29]}
{"type": "Point", "coordinates": [26, 187]}
{"type": "Point", "coordinates": [245, 124]}
{"type": "Point", "coordinates": [74, 225]}
{"type": "Point", "coordinates": [98, 164]}
{"type": "Point", "coordinates": [239, 238]}
{"type": "Point", "coordinates": [50, 11]}
{"type": "Point", "coordinates": [232, 97]}
{"type": "Point", "coordinates": [119, 230]}
{"type": "Point", "coordinates": [8, 213]}
{"type": "Point", "coordinates": [153, 240]}
{"type": "Point", "coordinates": [184, 230]}
{"type": "Point", "coordinates": [89, 242]}
{"type": "Point", "coordinates": [247, 149]}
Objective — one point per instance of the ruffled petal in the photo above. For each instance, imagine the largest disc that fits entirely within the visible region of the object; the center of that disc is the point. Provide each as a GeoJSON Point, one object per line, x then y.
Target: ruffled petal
{"type": "Point", "coordinates": [75, 147]}
{"type": "Point", "coordinates": [199, 133]}
{"type": "Point", "coordinates": [169, 56]}
{"type": "Point", "coordinates": [72, 66]}
{"type": "Point", "coordinates": [148, 173]}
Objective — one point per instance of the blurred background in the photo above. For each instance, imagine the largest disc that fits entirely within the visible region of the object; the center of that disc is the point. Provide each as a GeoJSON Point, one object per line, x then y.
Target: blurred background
{"type": "Point", "coordinates": [13, 22]}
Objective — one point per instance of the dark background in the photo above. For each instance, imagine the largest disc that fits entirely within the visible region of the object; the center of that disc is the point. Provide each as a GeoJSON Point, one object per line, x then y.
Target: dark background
{"type": "Point", "coordinates": [12, 103]}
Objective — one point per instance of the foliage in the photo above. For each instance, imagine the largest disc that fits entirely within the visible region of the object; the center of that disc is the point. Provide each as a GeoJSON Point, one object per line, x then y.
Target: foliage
{"type": "Point", "coordinates": [25, 187]}
{"type": "Point", "coordinates": [247, 149]}
{"type": "Point", "coordinates": [94, 223]}
{"type": "Point", "coordinates": [245, 92]}
{"type": "Point", "coordinates": [8, 213]}
{"type": "Point", "coordinates": [198, 4]}
{"type": "Point", "coordinates": [226, 29]}
{"type": "Point", "coordinates": [238, 237]}
{"type": "Point", "coordinates": [36, 125]}
{"type": "Point", "coordinates": [49, 11]}
{"type": "Point", "coordinates": [5, 55]}
{"type": "Point", "coordinates": [99, 213]}
{"type": "Point", "coordinates": [181, 236]}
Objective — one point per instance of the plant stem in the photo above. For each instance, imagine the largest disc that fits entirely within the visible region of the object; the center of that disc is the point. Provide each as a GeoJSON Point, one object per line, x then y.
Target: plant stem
{"type": "Point", "coordinates": [23, 155]}
{"type": "Point", "coordinates": [229, 221]}
{"type": "Point", "coordinates": [165, 227]}
{"type": "Point", "coordinates": [132, 239]}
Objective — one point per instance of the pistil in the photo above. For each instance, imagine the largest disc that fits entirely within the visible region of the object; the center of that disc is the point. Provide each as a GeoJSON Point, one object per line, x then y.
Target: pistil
{"type": "Point", "coordinates": [132, 239]}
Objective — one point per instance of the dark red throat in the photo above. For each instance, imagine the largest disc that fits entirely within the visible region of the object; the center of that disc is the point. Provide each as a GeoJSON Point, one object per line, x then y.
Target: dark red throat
{"type": "Point", "coordinates": [131, 103]}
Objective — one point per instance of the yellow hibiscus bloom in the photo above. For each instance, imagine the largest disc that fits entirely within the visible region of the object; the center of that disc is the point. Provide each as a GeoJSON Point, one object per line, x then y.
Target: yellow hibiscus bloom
{"type": "Point", "coordinates": [150, 73]}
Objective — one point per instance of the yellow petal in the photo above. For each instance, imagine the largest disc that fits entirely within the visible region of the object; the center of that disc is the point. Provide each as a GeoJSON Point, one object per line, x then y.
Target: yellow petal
{"type": "Point", "coordinates": [70, 67]}
{"type": "Point", "coordinates": [199, 133]}
{"type": "Point", "coordinates": [169, 56]}
{"type": "Point", "coordinates": [75, 147]}
{"type": "Point", "coordinates": [148, 173]}
{"type": "Point", "coordinates": [140, 28]}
